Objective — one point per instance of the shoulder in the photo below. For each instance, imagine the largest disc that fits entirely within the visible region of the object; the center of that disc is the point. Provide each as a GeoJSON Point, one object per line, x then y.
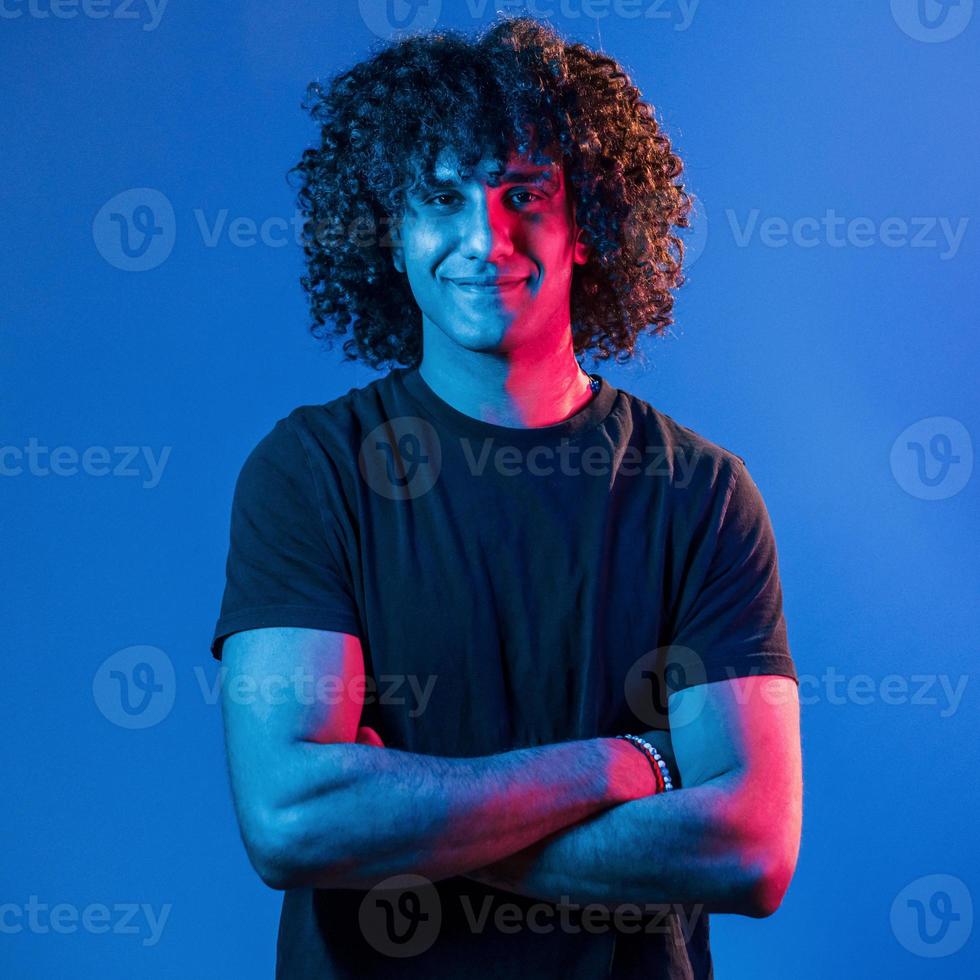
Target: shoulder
{"type": "Point", "coordinates": [335, 428]}
{"type": "Point", "coordinates": [692, 462]}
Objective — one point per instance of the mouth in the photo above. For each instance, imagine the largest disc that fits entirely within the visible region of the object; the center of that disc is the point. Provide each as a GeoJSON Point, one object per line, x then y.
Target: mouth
{"type": "Point", "coordinates": [489, 287]}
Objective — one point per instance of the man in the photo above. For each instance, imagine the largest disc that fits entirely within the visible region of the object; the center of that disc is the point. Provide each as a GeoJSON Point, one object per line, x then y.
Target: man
{"type": "Point", "coordinates": [453, 587]}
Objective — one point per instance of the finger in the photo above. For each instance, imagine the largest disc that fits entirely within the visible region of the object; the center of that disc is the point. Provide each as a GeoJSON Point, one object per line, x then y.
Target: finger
{"type": "Point", "coordinates": [368, 736]}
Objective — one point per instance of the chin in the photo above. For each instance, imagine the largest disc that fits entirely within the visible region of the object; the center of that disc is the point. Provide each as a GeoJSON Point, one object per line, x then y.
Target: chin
{"type": "Point", "coordinates": [482, 336]}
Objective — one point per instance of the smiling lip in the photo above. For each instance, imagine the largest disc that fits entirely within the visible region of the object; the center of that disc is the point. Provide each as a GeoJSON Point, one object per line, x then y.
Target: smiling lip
{"type": "Point", "coordinates": [474, 284]}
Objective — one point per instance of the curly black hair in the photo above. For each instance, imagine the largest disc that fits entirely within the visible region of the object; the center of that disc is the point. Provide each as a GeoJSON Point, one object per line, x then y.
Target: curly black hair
{"type": "Point", "coordinates": [517, 85]}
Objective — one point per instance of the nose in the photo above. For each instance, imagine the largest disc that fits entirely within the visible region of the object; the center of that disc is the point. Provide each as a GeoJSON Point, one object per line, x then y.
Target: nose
{"type": "Point", "coordinates": [486, 234]}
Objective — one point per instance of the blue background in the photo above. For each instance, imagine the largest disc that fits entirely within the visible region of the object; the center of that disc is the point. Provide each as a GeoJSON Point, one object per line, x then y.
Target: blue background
{"type": "Point", "coordinates": [810, 362]}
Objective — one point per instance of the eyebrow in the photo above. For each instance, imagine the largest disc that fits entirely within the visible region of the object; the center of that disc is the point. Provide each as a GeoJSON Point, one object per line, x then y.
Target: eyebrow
{"type": "Point", "coordinates": [527, 177]}
{"type": "Point", "coordinates": [537, 178]}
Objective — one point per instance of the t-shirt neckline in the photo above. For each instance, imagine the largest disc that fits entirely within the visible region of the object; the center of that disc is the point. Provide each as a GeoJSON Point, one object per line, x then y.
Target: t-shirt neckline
{"type": "Point", "coordinates": [591, 415]}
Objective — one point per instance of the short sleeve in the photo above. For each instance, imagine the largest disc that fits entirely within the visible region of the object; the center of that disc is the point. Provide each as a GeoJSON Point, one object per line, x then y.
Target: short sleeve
{"type": "Point", "coordinates": [286, 564]}
{"type": "Point", "coordinates": [731, 618]}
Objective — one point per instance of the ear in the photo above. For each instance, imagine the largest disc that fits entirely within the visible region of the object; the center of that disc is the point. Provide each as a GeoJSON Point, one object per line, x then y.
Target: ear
{"type": "Point", "coordinates": [580, 250]}
{"type": "Point", "coordinates": [397, 248]}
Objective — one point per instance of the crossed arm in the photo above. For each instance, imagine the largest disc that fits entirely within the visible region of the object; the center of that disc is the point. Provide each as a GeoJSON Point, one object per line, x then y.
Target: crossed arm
{"type": "Point", "coordinates": [574, 821]}
{"type": "Point", "coordinates": [737, 816]}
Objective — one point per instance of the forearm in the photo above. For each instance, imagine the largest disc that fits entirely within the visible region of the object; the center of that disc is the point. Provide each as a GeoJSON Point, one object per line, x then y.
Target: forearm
{"type": "Point", "coordinates": [367, 813]}
{"type": "Point", "coordinates": [674, 847]}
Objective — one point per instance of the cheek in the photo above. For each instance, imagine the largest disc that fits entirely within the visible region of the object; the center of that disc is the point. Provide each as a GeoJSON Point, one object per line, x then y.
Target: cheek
{"type": "Point", "coordinates": [424, 244]}
{"type": "Point", "coordinates": [554, 223]}
{"type": "Point", "coordinates": [552, 241]}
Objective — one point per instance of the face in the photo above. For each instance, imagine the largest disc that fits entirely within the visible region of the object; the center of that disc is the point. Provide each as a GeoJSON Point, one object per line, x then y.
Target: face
{"type": "Point", "coordinates": [490, 258]}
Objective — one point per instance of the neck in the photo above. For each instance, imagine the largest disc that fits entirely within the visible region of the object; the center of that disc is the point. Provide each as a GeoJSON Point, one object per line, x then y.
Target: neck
{"type": "Point", "coordinates": [536, 385]}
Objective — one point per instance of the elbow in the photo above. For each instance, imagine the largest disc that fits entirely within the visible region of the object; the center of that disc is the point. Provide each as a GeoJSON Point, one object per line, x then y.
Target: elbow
{"type": "Point", "coordinates": [767, 887]}
{"type": "Point", "coordinates": [270, 852]}
{"type": "Point", "coordinates": [275, 873]}
{"type": "Point", "coordinates": [757, 872]}
{"type": "Point", "coordinates": [275, 877]}
{"type": "Point", "coordinates": [765, 838]}
{"type": "Point", "coordinates": [289, 853]}
{"type": "Point", "coordinates": [293, 843]}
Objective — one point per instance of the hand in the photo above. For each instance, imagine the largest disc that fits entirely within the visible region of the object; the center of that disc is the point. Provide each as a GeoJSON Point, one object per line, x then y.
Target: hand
{"type": "Point", "coordinates": [509, 872]}
{"type": "Point", "coordinates": [368, 736]}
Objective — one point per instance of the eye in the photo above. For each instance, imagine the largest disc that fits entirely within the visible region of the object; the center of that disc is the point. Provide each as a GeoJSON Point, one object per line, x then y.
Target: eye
{"type": "Point", "coordinates": [531, 194]}
{"type": "Point", "coordinates": [437, 198]}
{"type": "Point", "coordinates": [448, 198]}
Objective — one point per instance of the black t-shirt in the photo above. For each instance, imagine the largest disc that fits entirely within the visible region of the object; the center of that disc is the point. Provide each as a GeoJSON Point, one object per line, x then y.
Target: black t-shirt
{"type": "Point", "coordinates": [538, 585]}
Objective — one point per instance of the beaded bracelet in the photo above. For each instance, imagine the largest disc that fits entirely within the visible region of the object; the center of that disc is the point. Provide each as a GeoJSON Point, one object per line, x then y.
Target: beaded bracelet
{"type": "Point", "coordinates": [660, 770]}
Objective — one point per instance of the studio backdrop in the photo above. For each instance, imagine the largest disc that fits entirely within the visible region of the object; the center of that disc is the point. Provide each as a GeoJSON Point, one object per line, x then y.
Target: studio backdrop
{"type": "Point", "coordinates": [153, 329]}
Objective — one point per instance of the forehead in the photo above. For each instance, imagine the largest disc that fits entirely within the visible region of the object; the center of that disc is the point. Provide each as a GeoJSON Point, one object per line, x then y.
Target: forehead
{"type": "Point", "coordinates": [446, 168]}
